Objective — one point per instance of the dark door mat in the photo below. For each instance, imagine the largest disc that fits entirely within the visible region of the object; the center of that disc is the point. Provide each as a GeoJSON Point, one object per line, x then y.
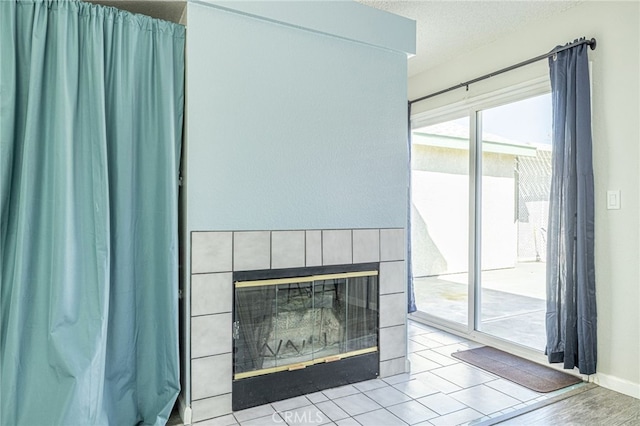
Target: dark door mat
{"type": "Point", "coordinates": [518, 370]}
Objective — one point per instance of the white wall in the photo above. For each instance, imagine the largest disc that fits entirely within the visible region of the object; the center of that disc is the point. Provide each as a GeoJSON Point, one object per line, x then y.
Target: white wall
{"type": "Point", "coordinates": [616, 137]}
{"type": "Point", "coordinates": [440, 203]}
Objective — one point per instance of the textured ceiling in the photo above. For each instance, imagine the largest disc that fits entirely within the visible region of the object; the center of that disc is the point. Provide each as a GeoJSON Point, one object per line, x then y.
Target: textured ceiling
{"type": "Point", "coordinates": [447, 29]}
{"type": "Point", "coordinates": [169, 10]}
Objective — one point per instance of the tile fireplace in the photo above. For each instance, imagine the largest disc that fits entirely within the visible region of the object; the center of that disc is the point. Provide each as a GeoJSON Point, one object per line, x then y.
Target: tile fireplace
{"type": "Point", "coordinates": [275, 314]}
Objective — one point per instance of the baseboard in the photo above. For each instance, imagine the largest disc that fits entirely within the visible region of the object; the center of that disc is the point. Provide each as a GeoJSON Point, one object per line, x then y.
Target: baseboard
{"type": "Point", "coordinates": [617, 384]}
{"type": "Point", "coordinates": [184, 410]}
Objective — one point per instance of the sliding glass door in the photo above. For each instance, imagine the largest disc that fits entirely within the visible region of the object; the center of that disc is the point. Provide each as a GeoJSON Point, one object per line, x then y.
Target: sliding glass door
{"type": "Point", "coordinates": [515, 182]}
{"type": "Point", "coordinates": [480, 191]}
{"type": "Point", "coordinates": [440, 218]}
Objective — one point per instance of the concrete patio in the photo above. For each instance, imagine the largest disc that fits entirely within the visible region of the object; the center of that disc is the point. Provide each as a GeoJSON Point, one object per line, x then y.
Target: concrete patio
{"type": "Point", "coordinates": [512, 302]}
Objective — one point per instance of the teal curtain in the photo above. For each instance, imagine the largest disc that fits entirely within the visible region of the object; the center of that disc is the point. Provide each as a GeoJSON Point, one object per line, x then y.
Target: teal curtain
{"type": "Point", "coordinates": [91, 112]}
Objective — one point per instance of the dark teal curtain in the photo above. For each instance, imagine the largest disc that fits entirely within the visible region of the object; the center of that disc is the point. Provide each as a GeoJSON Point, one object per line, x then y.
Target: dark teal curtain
{"type": "Point", "coordinates": [571, 319]}
{"type": "Point", "coordinates": [91, 112]}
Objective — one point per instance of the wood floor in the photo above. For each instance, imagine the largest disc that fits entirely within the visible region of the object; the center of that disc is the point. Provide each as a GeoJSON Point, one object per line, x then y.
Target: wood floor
{"type": "Point", "coordinates": [593, 407]}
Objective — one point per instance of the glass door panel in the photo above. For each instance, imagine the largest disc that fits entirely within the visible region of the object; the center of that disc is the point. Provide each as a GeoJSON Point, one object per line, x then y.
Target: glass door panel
{"type": "Point", "coordinates": [294, 322]}
{"type": "Point", "coordinates": [440, 219]}
{"type": "Point", "coordinates": [515, 183]}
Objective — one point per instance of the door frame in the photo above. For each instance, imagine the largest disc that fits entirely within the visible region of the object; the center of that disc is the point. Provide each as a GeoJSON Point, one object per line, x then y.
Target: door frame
{"type": "Point", "coordinates": [472, 108]}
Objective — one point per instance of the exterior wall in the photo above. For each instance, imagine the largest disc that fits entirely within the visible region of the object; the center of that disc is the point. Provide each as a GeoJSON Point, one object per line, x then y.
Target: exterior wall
{"type": "Point", "coordinates": [440, 197]}
{"type": "Point", "coordinates": [216, 255]}
{"type": "Point", "coordinates": [616, 154]}
{"type": "Point", "coordinates": [534, 183]}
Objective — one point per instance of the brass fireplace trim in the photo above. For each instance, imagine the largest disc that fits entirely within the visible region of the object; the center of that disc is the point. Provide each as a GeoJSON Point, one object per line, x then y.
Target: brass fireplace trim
{"type": "Point", "coordinates": [301, 365]}
{"type": "Point", "coordinates": [305, 279]}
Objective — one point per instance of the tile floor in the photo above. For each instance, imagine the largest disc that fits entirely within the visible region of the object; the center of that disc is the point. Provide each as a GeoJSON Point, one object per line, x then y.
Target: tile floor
{"type": "Point", "coordinates": [440, 390]}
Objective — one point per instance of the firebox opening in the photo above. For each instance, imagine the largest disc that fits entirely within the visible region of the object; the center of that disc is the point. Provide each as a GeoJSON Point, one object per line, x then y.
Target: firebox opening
{"type": "Point", "coordinates": [294, 329]}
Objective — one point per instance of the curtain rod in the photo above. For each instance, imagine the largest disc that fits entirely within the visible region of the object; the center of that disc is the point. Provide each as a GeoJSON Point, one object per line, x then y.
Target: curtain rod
{"type": "Point", "coordinates": [591, 43]}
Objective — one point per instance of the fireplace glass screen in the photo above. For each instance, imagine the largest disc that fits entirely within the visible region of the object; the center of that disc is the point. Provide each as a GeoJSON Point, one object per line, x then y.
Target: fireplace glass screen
{"type": "Point", "coordinates": [291, 323]}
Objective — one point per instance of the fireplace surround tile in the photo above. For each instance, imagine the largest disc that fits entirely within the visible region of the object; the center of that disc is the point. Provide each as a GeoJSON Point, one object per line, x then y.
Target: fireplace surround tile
{"type": "Point", "coordinates": [313, 248]}
{"type": "Point", "coordinates": [211, 252]}
{"type": "Point", "coordinates": [392, 342]}
{"type": "Point", "coordinates": [216, 255]}
{"type": "Point", "coordinates": [251, 250]}
{"type": "Point", "coordinates": [210, 335]}
{"type": "Point", "coordinates": [211, 407]}
{"type": "Point", "coordinates": [211, 293]}
{"type": "Point", "coordinates": [392, 309]}
{"type": "Point", "coordinates": [366, 245]}
{"type": "Point", "coordinates": [392, 367]}
{"type": "Point", "coordinates": [210, 376]}
{"type": "Point", "coordinates": [287, 249]}
{"type": "Point", "coordinates": [392, 246]}
{"type": "Point", "coordinates": [336, 247]}
{"type": "Point", "coordinates": [392, 277]}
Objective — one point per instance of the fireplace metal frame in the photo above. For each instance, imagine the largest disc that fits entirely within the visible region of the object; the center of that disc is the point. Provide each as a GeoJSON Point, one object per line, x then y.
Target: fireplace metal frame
{"type": "Point", "coordinates": [272, 384]}
{"type": "Point", "coordinates": [265, 389]}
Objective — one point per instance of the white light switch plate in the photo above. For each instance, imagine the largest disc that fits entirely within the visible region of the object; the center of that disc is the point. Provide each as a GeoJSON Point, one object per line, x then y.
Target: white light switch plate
{"type": "Point", "coordinates": [613, 199]}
